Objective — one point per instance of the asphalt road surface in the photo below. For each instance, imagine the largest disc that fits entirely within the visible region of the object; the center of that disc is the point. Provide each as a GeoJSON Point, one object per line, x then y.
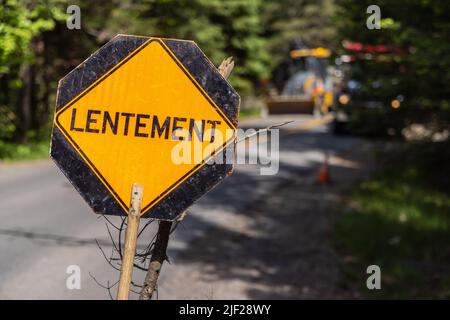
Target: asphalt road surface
{"type": "Point", "coordinates": [47, 227]}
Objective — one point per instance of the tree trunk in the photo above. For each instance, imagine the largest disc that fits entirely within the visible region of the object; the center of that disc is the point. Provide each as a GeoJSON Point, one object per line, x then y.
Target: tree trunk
{"type": "Point", "coordinates": [24, 101]}
{"type": "Point", "coordinates": [156, 261]}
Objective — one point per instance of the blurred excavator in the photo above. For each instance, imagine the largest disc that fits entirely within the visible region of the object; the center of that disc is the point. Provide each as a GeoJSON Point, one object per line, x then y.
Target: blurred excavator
{"type": "Point", "coordinates": [301, 83]}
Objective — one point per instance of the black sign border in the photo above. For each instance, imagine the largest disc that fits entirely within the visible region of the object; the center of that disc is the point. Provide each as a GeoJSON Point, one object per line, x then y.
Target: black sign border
{"type": "Point", "coordinates": [104, 77]}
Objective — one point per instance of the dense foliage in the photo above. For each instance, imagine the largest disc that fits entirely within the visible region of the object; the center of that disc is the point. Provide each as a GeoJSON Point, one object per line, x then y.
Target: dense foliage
{"type": "Point", "coordinates": [421, 30]}
{"type": "Point", "coordinates": [37, 49]}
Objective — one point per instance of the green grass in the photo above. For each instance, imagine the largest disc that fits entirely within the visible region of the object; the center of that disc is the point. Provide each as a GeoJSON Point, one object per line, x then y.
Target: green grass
{"type": "Point", "coordinates": [249, 113]}
{"type": "Point", "coordinates": [400, 220]}
{"type": "Point", "coordinates": [10, 152]}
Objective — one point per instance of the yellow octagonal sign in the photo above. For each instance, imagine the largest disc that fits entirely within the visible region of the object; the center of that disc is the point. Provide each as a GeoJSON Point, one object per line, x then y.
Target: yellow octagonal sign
{"type": "Point", "coordinates": [149, 111]}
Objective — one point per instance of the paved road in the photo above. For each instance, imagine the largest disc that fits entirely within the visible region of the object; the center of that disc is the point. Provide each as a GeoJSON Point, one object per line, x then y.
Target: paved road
{"type": "Point", "coordinates": [46, 226]}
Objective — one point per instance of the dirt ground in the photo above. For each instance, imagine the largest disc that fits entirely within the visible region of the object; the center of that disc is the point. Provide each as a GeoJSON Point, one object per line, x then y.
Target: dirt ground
{"type": "Point", "coordinates": [281, 248]}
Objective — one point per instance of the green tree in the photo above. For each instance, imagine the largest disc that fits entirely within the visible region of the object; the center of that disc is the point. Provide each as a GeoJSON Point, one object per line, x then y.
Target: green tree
{"type": "Point", "coordinates": [286, 20]}
{"type": "Point", "coordinates": [421, 28]}
{"type": "Point", "coordinates": [36, 48]}
{"type": "Point", "coordinates": [21, 24]}
{"type": "Point", "coordinates": [221, 29]}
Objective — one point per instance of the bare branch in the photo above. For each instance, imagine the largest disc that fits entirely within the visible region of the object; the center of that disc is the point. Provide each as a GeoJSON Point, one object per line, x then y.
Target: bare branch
{"type": "Point", "coordinates": [107, 287]}
{"type": "Point", "coordinates": [106, 258]}
{"type": "Point", "coordinates": [275, 126]}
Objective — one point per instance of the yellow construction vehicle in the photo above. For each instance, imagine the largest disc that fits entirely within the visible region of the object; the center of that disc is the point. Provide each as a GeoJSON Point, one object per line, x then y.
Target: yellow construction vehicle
{"type": "Point", "coordinates": [300, 83]}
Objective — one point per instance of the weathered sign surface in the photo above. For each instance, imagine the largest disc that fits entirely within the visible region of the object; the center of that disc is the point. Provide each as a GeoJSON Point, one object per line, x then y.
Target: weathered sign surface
{"type": "Point", "coordinates": [150, 111]}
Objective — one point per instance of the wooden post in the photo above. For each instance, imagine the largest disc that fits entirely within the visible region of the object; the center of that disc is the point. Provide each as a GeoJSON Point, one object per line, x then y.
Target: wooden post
{"type": "Point", "coordinates": [126, 270]}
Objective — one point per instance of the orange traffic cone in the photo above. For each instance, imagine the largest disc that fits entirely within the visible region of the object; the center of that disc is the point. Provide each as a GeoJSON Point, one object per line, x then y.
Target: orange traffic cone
{"type": "Point", "coordinates": [324, 172]}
